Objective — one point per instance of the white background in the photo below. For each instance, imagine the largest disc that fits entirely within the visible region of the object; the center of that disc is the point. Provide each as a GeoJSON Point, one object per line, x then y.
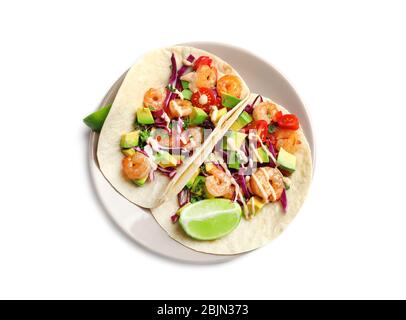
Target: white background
{"type": "Point", "coordinates": [347, 60]}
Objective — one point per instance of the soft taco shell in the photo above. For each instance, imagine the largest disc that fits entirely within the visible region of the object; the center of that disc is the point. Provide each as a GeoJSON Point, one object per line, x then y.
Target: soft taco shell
{"type": "Point", "coordinates": [151, 71]}
{"type": "Point", "coordinates": [264, 227]}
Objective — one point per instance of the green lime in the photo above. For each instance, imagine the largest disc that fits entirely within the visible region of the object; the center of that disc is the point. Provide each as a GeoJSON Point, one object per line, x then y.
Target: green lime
{"type": "Point", "coordinates": [95, 120]}
{"type": "Point", "coordinates": [210, 219]}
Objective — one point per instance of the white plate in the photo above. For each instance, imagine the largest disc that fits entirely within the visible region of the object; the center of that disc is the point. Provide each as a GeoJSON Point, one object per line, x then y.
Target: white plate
{"type": "Point", "coordinates": [138, 223]}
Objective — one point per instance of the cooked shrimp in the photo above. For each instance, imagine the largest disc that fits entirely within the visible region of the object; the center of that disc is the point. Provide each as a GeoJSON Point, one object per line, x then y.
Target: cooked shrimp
{"type": "Point", "coordinates": [206, 77]}
{"type": "Point", "coordinates": [136, 167]}
{"type": "Point", "coordinates": [192, 138]}
{"type": "Point", "coordinates": [180, 108]}
{"type": "Point", "coordinates": [230, 84]}
{"type": "Point", "coordinates": [265, 111]}
{"type": "Point", "coordinates": [218, 183]}
{"type": "Point", "coordinates": [154, 99]}
{"type": "Point", "coordinates": [287, 139]}
{"type": "Point", "coordinates": [230, 194]}
{"type": "Point", "coordinates": [267, 183]}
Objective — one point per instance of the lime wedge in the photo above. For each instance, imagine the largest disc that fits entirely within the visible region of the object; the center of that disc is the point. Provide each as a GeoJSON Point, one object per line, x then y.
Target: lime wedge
{"type": "Point", "coordinates": [95, 120]}
{"type": "Point", "coordinates": [210, 219]}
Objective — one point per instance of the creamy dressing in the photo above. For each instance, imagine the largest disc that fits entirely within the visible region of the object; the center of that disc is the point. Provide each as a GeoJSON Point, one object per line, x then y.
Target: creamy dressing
{"type": "Point", "coordinates": [287, 181]}
{"type": "Point", "coordinates": [203, 99]}
{"type": "Point", "coordinates": [177, 107]}
{"type": "Point", "coordinates": [268, 178]}
{"type": "Point", "coordinates": [180, 94]}
{"type": "Point", "coordinates": [148, 150]}
{"type": "Point", "coordinates": [214, 113]}
{"type": "Point", "coordinates": [253, 135]}
{"type": "Point", "coordinates": [191, 78]}
{"type": "Point", "coordinates": [240, 154]}
{"type": "Point", "coordinates": [187, 62]}
{"type": "Point", "coordinates": [154, 144]}
{"type": "Point", "coordinates": [261, 188]}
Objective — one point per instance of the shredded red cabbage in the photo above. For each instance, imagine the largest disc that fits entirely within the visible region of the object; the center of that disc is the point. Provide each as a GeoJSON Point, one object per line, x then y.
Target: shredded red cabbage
{"type": "Point", "coordinates": [157, 113]}
{"type": "Point", "coordinates": [174, 70]}
{"type": "Point", "coordinates": [175, 218]}
{"type": "Point", "coordinates": [169, 96]}
{"type": "Point", "coordinates": [183, 69]}
{"type": "Point", "coordinates": [240, 179]}
{"type": "Point", "coordinates": [169, 172]}
{"type": "Point", "coordinates": [207, 124]}
{"type": "Point", "coordinates": [284, 200]}
{"type": "Point", "coordinates": [184, 197]}
{"type": "Point", "coordinates": [250, 107]}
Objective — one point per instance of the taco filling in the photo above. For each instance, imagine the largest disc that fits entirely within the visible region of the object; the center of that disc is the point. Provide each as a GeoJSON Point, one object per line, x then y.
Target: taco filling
{"type": "Point", "coordinates": [174, 120]}
{"type": "Point", "coordinates": [250, 166]}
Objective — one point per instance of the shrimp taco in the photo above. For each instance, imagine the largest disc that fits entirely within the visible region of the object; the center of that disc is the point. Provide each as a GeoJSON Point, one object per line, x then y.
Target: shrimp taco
{"type": "Point", "coordinates": [172, 103]}
{"type": "Point", "coordinates": [244, 192]}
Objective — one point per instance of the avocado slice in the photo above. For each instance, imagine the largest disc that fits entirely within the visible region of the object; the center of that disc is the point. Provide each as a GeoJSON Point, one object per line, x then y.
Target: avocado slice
{"type": "Point", "coordinates": [128, 152]}
{"type": "Point", "coordinates": [244, 119]}
{"type": "Point", "coordinates": [140, 182]}
{"type": "Point", "coordinates": [263, 155]}
{"type": "Point", "coordinates": [254, 205]}
{"type": "Point", "coordinates": [96, 119]}
{"type": "Point", "coordinates": [229, 101]}
{"type": "Point", "coordinates": [130, 139]}
{"type": "Point", "coordinates": [237, 137]}
{"type": "Point", "coordinates": [144, 116]}
{"type": "Point", "coordinates": [187, 94]}
{"type": "Point", "coordinates": [198, 116]}
{"type": "Point", "coordinates": [185, 84]}
{"type": "Point", "coordinates": [189, 184]}
{"type": "Point", "coordinates": [234, 161]}
{"type": "Point", "coordinates": [165, 159]}
{"type": "Point", "coordinates": [286, 161]}
{"type": "Point", "coordinates": [219, 114]}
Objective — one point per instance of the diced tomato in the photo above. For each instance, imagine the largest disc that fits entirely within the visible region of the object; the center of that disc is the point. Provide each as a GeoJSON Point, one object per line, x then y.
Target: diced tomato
{"type": "Point", "coordinates": [211, 100]}
{"type": "Point", "coordinates": [261, 126]}
{"type": "Point", "coordinates": [277, 116]}
{"type": "Point", "coordinates": [202, 61]}
{"type": "Point", "coordinates": [288, 121]}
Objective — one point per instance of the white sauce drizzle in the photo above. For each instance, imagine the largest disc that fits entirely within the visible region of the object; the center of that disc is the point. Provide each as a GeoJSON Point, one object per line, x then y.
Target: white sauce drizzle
{"type": "Point", "coordinates": [187, 62]}
{"type": "Point", "coordinates": [214, 113]}
{"type": "Point", "coordinates": [203, 99]}
{"type": "Point", "coordinates": [191, 78]}
{"type": "Point", "coordinates": [240, 154]}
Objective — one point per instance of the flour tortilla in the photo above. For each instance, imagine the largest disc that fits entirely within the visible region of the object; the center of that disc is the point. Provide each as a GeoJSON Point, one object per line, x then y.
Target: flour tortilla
{"type": "Point", "coordinates": [269, 223]}
{"type": "Point", "coordinates": [151, 71]}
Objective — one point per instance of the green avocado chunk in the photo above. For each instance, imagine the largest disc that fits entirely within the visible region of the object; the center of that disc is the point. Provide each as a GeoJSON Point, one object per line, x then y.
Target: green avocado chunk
{"type": "Point", "coordinates": [144, 116]}
{"type": "Point", "coordinates": [140, 182]}
{"type": "Point", "coordinates": [128, 152]}
{"type": "Point", "coordinates": [165, 159]}
{"type": "Point", "coordinates": [185, 84]}
{"type": "Point", "coordinates": [233, 161]}
{"type": "Point", "coordinates": [229, 101]}
{"type": "Point", "coordinates": [263, 155]}
{"type": "Point", "coordinates": [198, 116]}
{"type": "Point", "coordinates": [96, 119]}
{"type": "Point", "coordinates": [187, 94]}
{"type": "Point", "coordinates": [237, 138]}
{"type": "Point", "coordinates": [130, 139]}
{"type": "Point", "coordinates": [244, 119]}
{"type": "Point", "coordinates": [286, 161]}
